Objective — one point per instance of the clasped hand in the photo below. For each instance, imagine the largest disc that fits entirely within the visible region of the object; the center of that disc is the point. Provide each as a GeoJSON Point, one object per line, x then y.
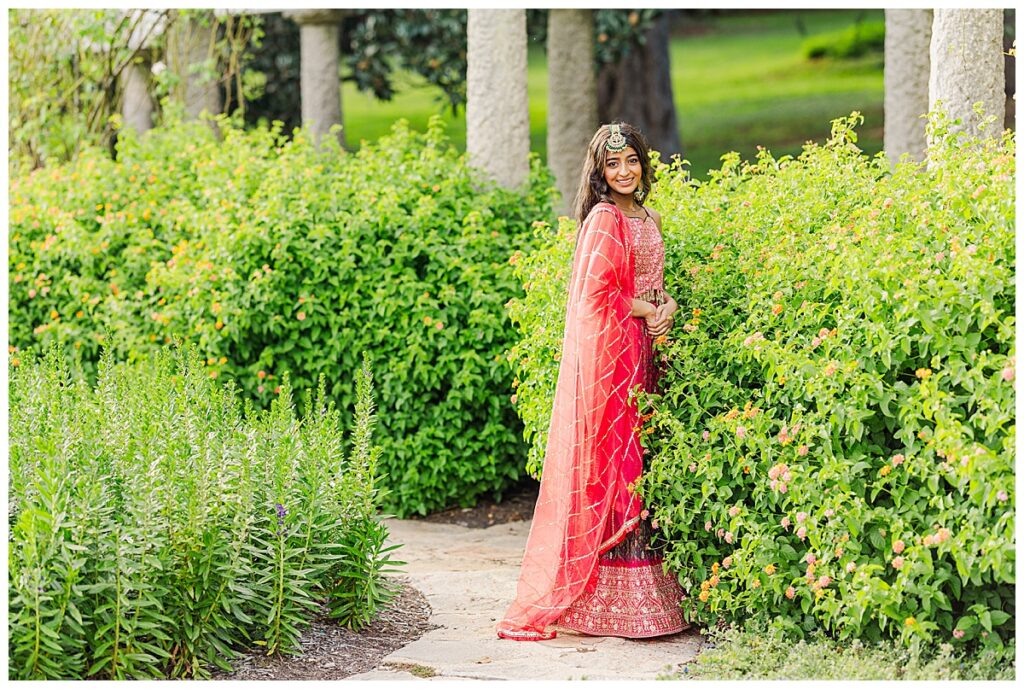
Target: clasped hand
{"type": "Point", "coordinates": [660, 319]}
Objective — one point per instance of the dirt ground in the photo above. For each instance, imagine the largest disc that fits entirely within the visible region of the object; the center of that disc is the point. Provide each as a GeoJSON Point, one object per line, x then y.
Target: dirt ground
{"type": "Point", "coordinates": [330, 651]}
{"type": "Point", "coordinates": [516, 506]}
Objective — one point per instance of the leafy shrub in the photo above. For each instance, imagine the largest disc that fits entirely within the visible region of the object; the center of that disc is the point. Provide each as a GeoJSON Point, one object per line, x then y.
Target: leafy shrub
{"type": "Point", "coordinates": [275, 257]}
{"type": "Point", "coordinates": [156, 526]}
{"type": "Point", "coordinates": [834, 444]}
{"type": "Point", "coordinates": [764, 653]}
{"type": "Point", "coordinates": [540, 318]}
{"type": "Point", "coordinates": [853, 41]}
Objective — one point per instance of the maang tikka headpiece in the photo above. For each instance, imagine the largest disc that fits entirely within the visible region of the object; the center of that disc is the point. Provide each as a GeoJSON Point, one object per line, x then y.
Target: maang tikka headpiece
{"type": "Point", "coordinates": [616, 142]}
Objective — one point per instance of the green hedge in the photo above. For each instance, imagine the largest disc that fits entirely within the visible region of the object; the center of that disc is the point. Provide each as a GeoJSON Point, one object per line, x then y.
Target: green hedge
{"type": "Point", "coordinates": [158, 528]}
{"type": "Point", "coordinates": [834, 445]}
{"type": "Point", "coordinates": [853, 41]}
{"type": "Point", "coordinates": [273, 257]}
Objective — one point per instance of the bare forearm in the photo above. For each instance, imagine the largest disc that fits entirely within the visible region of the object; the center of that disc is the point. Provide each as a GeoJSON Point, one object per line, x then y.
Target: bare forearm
{"type": "Point", "coordinates": [643, 309]}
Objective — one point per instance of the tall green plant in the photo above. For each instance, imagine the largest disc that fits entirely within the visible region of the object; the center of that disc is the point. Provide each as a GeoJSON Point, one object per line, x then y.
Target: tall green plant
{"type": "Point", "coordinates": [159, 526]}
{"type": "Point", "coordinates": [358, 585]}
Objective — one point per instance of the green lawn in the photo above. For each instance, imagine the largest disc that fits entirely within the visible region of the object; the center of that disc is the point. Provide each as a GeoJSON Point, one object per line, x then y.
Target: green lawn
{"type": "Point", "coordinates": [738, 82]}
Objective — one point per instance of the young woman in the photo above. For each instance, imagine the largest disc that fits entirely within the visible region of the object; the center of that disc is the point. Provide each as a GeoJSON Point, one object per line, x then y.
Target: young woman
{"type": "Point", "coordinates": [588, 567]}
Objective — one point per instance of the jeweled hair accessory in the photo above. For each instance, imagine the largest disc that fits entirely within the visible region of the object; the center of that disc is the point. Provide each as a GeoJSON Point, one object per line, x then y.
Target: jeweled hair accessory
{"type": "Point", "coordinates": [616, 142]}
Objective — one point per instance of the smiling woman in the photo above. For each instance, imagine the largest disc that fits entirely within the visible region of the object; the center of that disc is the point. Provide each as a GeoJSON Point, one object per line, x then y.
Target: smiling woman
{"type": "Point", "coordinates": [588, 566]}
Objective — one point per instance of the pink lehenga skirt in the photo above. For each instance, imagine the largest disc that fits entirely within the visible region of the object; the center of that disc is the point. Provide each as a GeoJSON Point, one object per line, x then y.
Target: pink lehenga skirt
{"type": "Point", "coordinates": [633, 596]}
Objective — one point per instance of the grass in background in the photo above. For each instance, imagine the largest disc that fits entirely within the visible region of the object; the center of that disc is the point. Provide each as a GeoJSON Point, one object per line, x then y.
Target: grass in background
{"type": "Point", "coordinates": [745, 82]}
{"type": "Point", "coordinates": [739, 81]}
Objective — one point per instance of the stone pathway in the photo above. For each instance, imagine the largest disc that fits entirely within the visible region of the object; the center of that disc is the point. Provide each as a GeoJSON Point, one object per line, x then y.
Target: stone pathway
{"type": "Point", "coordinates": [469, 577]}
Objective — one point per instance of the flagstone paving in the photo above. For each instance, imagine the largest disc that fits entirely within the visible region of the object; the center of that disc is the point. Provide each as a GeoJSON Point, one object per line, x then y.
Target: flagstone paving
{"type": "Point", "coordinates": [469, 578]}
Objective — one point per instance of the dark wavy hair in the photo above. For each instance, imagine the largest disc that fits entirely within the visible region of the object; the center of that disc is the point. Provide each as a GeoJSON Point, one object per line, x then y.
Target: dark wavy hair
{"type": "Point", "coordinates": [593, 188]}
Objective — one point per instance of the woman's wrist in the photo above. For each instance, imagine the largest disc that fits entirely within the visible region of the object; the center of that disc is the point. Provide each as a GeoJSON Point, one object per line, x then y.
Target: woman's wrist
{"type": "Point", "coordinates": [643, 309]}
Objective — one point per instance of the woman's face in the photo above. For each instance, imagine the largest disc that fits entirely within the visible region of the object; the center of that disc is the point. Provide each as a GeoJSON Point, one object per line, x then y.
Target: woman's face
{"type": "Point", "coordinates": [622, 171]}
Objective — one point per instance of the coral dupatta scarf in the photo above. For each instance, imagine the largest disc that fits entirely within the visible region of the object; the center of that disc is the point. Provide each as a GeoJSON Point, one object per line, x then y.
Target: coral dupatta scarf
{"type": "Point", "coordinates": [586, 504]}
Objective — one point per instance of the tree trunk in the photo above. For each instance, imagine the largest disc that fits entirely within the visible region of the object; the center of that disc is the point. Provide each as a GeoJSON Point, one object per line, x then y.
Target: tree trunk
{"type": "Point", "coordinates": [497, 110]}
{"type": "Point", "coordinates": [638, 90]}
{"type": "Point", "coordinates": [967, 67]}
{"type": "Point", "coordinates": [572, 98]}
{"type": "Point", "coordinates": [1010, 72]}
{"type": "Point", "coordinates": [908, 35]}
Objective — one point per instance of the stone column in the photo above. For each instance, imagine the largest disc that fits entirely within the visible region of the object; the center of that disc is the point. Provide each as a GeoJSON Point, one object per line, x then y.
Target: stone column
{"type": "Point", "coordinates": [572, 98]}
{"type": "Point", "coordinates": [908, 35]}
{"type": "Point", "coordinates": [321, 81]}
{"type": "Point", "coordinates": [192, 62]}
{"type": "Point", "coordinates": [136, 105]}
{"type": "Point", "coordinates": [967, 66]}
{"type": "Point", "coordinates": [497, 113]}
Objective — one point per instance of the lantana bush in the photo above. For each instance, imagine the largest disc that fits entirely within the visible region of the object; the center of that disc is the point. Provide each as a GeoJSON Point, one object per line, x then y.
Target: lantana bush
{"type": "Point", "coordinates": [273, 255]}
{"type": "Point", "coordinates": [832, 447]}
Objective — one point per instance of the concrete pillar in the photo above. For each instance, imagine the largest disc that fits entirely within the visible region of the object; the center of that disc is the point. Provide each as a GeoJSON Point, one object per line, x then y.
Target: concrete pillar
{"type": "Point", "coordinates": [908, 35]}
{"type": "Point", "coordinates": [321, 82]}
{"type": "Point", "coordinates": [497, 112]}
{"type": "Point", "coordinates": [193, 65]}
{"type": "Point", "coordinates": [136, 105]}
{"type": "Point", "coordinates": [967, 66]}
{"type": "Point", "coordinates": [572, 98]}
